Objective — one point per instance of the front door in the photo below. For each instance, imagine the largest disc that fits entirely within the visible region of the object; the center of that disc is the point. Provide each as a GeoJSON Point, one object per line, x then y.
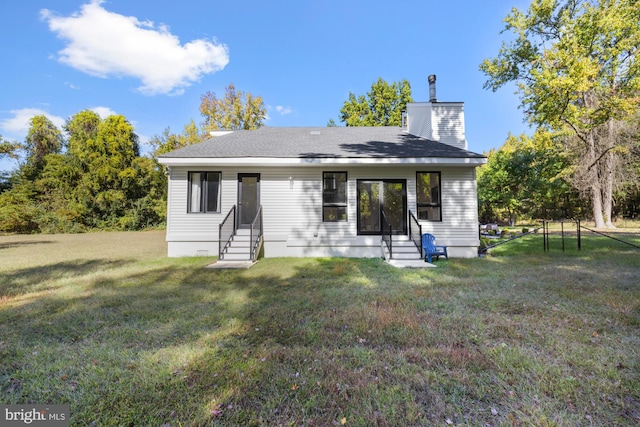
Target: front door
{"type": "Point", "coordinates": [387, 195]}
{"type": "Point", "coordinates": [248, 198]}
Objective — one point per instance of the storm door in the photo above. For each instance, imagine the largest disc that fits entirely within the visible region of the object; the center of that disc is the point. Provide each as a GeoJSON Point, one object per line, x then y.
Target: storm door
{"type": "Point", "coordinates": [375, 196]}
{"type": "Point", "coordinates": [248, 198]}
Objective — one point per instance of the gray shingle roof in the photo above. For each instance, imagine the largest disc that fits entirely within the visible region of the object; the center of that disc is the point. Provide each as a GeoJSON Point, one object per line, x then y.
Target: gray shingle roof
{"type": "Point", "coordinates": [320, 142]}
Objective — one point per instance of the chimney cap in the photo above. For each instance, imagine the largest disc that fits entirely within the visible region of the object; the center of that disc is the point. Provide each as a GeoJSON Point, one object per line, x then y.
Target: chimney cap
{"type": "Point", "coordinates": [432, 78]}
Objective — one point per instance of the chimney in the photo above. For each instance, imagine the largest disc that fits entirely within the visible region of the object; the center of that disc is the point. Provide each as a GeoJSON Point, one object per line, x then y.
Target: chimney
{"type": "Point", "coordinates": [217, 133]}
{"type": "Point", "coordinates": [432, 88]}
{"type": "Point", "coordinates": [437, 121]}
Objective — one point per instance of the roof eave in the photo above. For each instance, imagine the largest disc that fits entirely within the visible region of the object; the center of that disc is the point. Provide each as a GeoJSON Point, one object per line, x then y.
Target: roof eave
{"type": "Point", "coordinates": [319, 161]}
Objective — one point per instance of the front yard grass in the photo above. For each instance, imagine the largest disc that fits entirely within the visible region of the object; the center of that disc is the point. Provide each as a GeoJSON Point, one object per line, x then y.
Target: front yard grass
{"type": "Point", "coordinates": [106, 323]}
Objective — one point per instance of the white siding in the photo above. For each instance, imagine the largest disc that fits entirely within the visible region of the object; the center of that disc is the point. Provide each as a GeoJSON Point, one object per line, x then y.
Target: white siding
{"type": "Point", "coordinates": [183, 226]}
{"type": "Point", "coordinates": [438, 121]}
{"type": "Point", "coordinates": [419, 119]}
{"type": "Point", "coordinates": [291, 199]}
{"type": "Point", "coordinates": [448, 124]}
{"type": "Point", "coordinates": [459, 225]}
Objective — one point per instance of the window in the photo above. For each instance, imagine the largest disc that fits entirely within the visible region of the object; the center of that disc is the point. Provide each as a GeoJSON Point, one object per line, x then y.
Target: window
{"type": "Point", "coordinates": [428, 196]}
{"type": "Point", "coordinates": [334, 196]}
{"type": "Point", "coordinates": [204, 192]}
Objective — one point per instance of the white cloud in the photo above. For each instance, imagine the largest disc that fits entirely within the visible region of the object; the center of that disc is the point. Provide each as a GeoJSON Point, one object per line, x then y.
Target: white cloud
{"type": "Point", "coordinates": [105, 44]}
{"type": "Point", "coordinates": [103, 112]}
{"type": "Point", "coordinates": [17, 126]}
{"type": "Point", "coordinates": [283, 110]}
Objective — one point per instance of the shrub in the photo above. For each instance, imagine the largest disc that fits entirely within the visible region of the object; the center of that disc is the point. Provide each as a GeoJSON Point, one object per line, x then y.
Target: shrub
{"type": "Point", "coordinates": [59, 222]}
{"type": "Point", "coordinates": [18, 211]}
{"type": "Point", "coordinates": [145, 213]}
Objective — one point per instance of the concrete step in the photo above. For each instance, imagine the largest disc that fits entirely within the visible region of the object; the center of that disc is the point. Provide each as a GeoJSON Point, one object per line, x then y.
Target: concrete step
{"type": "Point", "coordinates": [236, 257]}
{"type": "Point", "coordinates": [406, 257]}
{"type": "Point", "coordinates": [403, 255]}
{"type": "Point", "coordinates": [408, 244]}
{"type": "Point", "coordinates": [238, 248]}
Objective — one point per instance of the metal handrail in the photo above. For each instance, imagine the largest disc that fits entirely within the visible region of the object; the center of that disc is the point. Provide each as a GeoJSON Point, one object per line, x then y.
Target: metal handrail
{"type": "Point", "coordinates": [386, 238]}
{"type": "Point", "coordinates": [256, 228]}
{"type": "Point", "coordinates": [413, 226]}
{"type": "Point", "coordinates": [228, 233]}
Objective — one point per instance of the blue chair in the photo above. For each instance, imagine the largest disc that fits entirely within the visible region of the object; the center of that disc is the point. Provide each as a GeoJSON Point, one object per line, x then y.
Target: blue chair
{"type": "Point", "coordinates": [431, 249]}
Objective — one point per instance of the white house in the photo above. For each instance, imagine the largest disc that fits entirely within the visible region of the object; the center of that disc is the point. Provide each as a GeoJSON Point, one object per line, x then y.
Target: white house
{"type": "Point", "coordinates": [329, 191]}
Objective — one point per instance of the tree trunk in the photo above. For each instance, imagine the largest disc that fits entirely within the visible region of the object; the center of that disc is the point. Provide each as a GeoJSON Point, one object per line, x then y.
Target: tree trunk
{"type": "Point", "coordinates": [596, 205]}
{"type": "Point", "coordinates": [608, 167]}
{"type": "Point", "coordinates": [594, 180]}
{"type": "Point", "coordinates": [607, 199]}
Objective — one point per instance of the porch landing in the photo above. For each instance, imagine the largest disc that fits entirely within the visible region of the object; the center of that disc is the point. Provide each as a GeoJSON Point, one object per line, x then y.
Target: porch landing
{"type": "Point", "coordinates": [409, 263]}
{"type": "Point", "coordinates": [230, 265]}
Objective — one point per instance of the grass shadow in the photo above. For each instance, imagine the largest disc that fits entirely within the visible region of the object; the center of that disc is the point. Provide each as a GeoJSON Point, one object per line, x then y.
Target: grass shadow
{"type": "Point", "coordinates": [42, 277]}
{"type": "Point", "coordinates": [20, 243]}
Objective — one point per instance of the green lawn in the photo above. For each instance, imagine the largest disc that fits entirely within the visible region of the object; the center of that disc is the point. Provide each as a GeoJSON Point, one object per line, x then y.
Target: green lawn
{"type": "Point", "coordinates": [106, 323]}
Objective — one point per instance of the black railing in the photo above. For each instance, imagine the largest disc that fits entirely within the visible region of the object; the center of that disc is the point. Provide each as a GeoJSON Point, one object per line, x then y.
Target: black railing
{"type": "Point", "coordinates": [255, 235]}
{"type": "Point", "coordinates": [579, 228]}
{"type": "Point", "coordinates": [482, 251]}
{"type": "Point", "coordinates": [226, 231]}
{"type": "Point", "coordinates": [387, 232]}
{"type": "Point", "coordinates": [602, 234]}
{"type": "Point", "coordinates": [415, 232]}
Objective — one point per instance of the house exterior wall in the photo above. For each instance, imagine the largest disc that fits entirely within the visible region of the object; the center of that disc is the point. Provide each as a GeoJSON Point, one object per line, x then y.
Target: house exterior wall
{"type": "Point", "coordinates": [291, 199]}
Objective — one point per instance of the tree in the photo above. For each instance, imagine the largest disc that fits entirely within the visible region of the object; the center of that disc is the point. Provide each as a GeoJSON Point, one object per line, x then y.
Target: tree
{"type": "Point", "coordinates": [103, 177]}
{"type": "Point", "coordinates": [236, 111]}
{"type": "Point", "coordinates": [576, 69]}
{"type": "Point", "coordinates": [43, 138]}
{"type": "Point", "coordinates": [82, 129]}
{"type": "Point", "coordinates": [106, 161]}
{"type": "Point", "coordinates": [20, 206]}
{"type": "Point", "coordinates": [526, 176]}
{"type": "Point", "coordinates": [168, 141]}
{"type": "Point", "coordinates": [19, 210]}
{"type": "Point", "coordinates": [8, 148]}
{"type": "Point", "coordinates": [627, 194]}
{"type": "Point", "coordinates": [382, 106]}
{"type": "Point", "coordinates": [100, 181]}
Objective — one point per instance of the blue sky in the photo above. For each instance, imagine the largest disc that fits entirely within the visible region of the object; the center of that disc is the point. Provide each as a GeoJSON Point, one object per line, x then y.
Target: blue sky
{"type": "Point", "coordinates": [151, 60]}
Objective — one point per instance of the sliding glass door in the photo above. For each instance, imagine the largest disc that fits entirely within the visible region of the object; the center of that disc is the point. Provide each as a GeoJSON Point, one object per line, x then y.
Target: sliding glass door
{"type": "Point", "coordinates": [375, 196]}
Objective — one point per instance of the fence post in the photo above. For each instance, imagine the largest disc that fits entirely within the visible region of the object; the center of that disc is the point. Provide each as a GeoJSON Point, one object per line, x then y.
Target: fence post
{"type": "Point", "coordinates": [562, 232]}
{"type": "Point", "coordinates": [579, 235]}
{"type": "Point", "coordinates": [548, 243]}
